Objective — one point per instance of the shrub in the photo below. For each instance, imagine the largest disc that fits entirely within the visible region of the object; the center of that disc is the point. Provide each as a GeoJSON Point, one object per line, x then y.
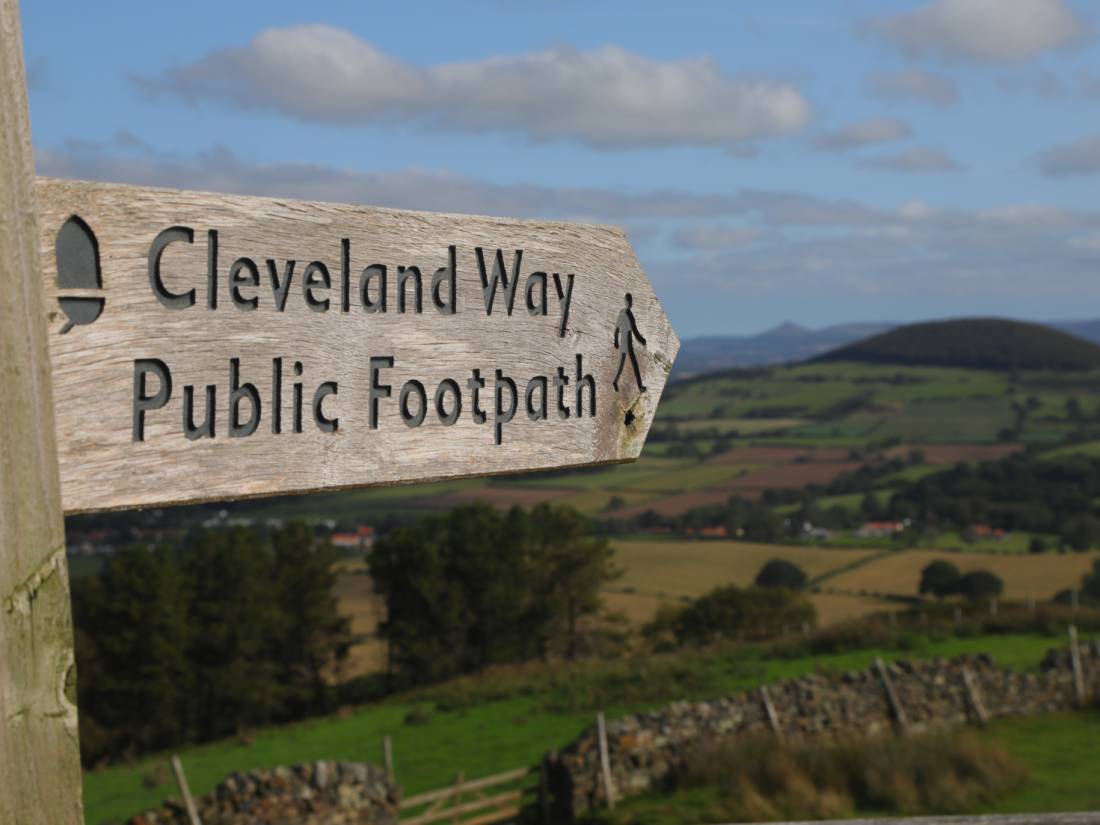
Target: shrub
{"type": "Point", "coordinates": [979, 584]}
{"type": "Point", "coordinates": [939, 578]}
{"type": "Point", "coordinates": [729, 612]}
{"type": "Point", "coordinates": [779, 573]}
{"type": "Point", "coordinates": [760, 778]}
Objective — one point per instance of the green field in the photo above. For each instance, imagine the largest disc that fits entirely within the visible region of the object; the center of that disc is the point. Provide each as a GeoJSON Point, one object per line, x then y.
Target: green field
{"type": "Point", "coordinates": [483, 734]}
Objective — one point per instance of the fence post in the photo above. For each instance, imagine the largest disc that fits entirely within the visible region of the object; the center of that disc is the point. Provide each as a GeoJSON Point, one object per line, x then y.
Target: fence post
{"type": "Point", "coordinates": [605, 760]}
{"type": "Point", "coordinates": [387, 757]}
{"type": "Point", "coordinates": [769, 710]}
{"type": "Point", "coordinates": [39, 752]}
{"type": "Point", "coordinates": [460, 777]}
{"type": "Point", "coordinates": [1078, 673]}
{"type": "Point", "coordinates": [185, 791]}
{"type": "Point", "coordinates": [544, 789]}
{"type": "Point", "coordinates": [891, 696]}
{"type": "Point", "coordinates": [975, 697]}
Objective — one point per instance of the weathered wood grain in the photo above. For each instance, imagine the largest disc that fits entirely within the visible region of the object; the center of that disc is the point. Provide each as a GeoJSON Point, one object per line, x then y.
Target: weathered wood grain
{"type": "Point", "coordinates": [103, 468]}
{"type": "Point", "coordinates": [39, 755]}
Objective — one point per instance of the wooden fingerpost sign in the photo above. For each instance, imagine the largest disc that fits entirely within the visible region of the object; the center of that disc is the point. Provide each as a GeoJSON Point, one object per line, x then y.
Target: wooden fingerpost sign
{"type": "Point", "coordinates": [209, 347]}
{"type": "Point", "coordinates": [164, 347]}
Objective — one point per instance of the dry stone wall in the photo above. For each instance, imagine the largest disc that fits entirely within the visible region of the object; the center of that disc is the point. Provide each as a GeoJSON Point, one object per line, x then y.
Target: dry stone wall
{"type": "Point", "coordinates": [645, 749]}
{"type": "Point", "coordinates": [313, 793]}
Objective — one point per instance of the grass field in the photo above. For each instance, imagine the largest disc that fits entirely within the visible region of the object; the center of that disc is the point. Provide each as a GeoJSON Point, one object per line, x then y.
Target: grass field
{"type": "Point", "coordinates": [691, 568]}
{"type": "Point", "coordinates": [1038, 577]}
{"type": "Point", "coordinates": [491, 736]}
{"type": "Point", "coordinates": [659, 571]}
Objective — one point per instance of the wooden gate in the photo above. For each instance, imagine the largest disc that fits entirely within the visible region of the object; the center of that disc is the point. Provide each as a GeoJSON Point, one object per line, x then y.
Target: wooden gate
{"type": "Point", "coordinates": [497, 798]}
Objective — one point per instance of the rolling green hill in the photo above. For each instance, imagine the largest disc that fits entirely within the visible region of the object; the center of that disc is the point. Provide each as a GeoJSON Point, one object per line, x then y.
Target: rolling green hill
{"type": "Point", "coordinates": [981, 343]}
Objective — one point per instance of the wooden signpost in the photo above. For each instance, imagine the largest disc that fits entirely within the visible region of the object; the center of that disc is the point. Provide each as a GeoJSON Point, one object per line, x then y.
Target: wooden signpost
{"type": "Point", "coordinates": [184, 347]}
{"type": "Point", "coordinates": [214, 347]}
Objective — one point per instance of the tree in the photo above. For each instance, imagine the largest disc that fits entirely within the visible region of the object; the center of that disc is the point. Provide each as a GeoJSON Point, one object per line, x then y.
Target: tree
{"type": "Point", "coordinates": [235, 625]}
{"type": "Point", "coordinates": [1081, 532]}
{"type": "Point", "coordinates": [779, 573]}
{"type": "Point", "coordinates": [572, 569]}
{"type": "Point", "coordinates": [729, 611]}
{"type": "Point", "coordinates": [473, 588]}
{"type": "Point", "coordinates": [315, 636]}
{"type": "Point", "coordinates": [979, 584]}
{"type": "Point", "coordinates": [133, 637]}
{"type": "Point", "coordinates": [940, 578]}
{"type": "Point", "coordinates": [1090, 582]}
{"type": "Point", "coordinates": [870, 507]}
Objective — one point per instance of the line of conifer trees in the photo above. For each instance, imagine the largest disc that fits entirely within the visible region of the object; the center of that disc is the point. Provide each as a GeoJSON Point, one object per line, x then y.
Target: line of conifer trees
{"type": "Point", "coordinates": [229, 629]}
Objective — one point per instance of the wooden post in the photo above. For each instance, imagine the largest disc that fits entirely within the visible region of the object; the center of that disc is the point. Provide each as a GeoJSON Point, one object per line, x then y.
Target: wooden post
{"type": "Point", "coordinates": [1078, 673]}
{"type": "Point", "coordinates": [460, 777]}
{"type": "Point", "coordinates": [975, 697]}
{"type": "Point", "coordinates": [993, 606]}
{"type": "Point", "coordinates": [891, 695]}
{"type": "Point", "coordinates": [185, 791]}
{"type": "Point", "coordinates": [958, 615]}
{"type": "Point", "coordinates": [605, 761]}
{"type": "Point", "coordinates": [39, 752]}
{"type": "Point", "coordinates": [544, 789]}
{"type": "Point", "coordinates": [387, 756]}
{"type": "Point", "coordinates": [769, 711]}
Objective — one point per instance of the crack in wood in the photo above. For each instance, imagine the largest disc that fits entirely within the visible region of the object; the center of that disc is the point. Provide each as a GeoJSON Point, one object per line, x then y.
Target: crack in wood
{"type": "Point", "coordinates": [23, 595]}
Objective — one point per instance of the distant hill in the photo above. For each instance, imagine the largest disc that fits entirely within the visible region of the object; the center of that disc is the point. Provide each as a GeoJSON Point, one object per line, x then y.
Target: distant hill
{"type": "Point", "coordinates": [790, 342]}
{"type": "Point", "coordinates": [984, 343]}
{"type": "Point", "coordinates": [781, 344]}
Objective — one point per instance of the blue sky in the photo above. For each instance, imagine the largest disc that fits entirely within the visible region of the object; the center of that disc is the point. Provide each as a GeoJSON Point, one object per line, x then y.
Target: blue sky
{"type": "Point", "coordinates": [811, 161]}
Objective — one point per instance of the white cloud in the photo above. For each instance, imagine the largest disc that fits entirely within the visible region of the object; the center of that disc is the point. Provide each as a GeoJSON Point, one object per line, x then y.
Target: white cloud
{"type": "Point", "coordinates": [220, 170]}
{"type": "Point", "coordinates": [914, 84]}
{"type": "Point", "coordinates": [917, 159]}
{"type": "Point", "coordinates": [703, 237]}
{"type": "Point", "coordinates": [803, 250]}
{"type": "Point", "coordinates": [986, 31]}
{"type": "Point", "coordinates": [1064, 160]}
{"type": "Point", "coordinates": [864, 133]}
{"type": "Point", "coordinates": [606, 97]}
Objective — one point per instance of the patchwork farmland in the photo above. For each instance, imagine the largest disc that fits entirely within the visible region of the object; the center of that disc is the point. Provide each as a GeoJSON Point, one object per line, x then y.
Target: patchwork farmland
{"type": "Point", "coordinates": [773, 437]}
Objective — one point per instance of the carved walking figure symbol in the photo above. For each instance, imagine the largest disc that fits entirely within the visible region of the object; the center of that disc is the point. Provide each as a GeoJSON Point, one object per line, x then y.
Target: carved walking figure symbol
{"type": "Point", "coordinates": [626, 330]}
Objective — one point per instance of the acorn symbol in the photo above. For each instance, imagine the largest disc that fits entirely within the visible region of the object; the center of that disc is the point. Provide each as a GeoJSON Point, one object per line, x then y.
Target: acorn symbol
{"type": "Point", "coordinates": [78, 268]}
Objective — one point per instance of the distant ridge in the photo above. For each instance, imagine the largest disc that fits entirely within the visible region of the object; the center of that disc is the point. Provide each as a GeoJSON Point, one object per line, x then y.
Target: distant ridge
{"type": "Point", "coordinates": [783, 343]}
{"type": "Point", "coordinates": [789, 342]}
{"type": "Point", "coordinates": [983, 343]}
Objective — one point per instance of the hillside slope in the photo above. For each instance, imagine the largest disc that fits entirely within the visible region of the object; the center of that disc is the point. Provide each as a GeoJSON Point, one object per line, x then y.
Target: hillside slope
{"type": "Point", "coordinates": [983, 343]}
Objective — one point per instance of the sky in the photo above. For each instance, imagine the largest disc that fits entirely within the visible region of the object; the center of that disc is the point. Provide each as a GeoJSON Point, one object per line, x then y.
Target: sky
{"type": "Point", "coordinates": [806, 161]}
